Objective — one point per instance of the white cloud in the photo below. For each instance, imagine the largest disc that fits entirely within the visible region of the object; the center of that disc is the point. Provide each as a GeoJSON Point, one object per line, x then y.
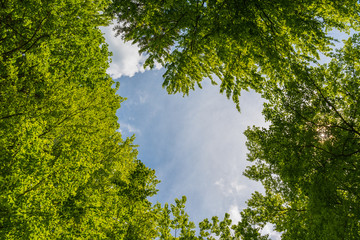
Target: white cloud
{"type": "Point", "coordinates": [126, 60]}
{"type": "Point", "coordinates": [234, 214]}
{"type": "Point", "coordinates": [230, 187]}
{"type": "Point", "coordinates": [237, 187]}
{"type": "Point", "coordinates": [268, 229]}
{"type": "Point", "coordinates": [126, 127]}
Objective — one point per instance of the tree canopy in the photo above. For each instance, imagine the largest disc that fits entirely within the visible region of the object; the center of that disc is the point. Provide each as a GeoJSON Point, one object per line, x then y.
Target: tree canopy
{"type": "Point", "coordinates": [242, 43]}
{"type": "Point", "coordinates": [308, 159]}
{"type": "Point", "coordinates": [67, 173]}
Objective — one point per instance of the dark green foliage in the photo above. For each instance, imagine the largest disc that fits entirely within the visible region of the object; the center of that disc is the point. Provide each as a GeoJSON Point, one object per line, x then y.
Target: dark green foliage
{"type": "Point", "coordinates": [239, 42]}
{"type": "Point", "coordinates": [308, 159]}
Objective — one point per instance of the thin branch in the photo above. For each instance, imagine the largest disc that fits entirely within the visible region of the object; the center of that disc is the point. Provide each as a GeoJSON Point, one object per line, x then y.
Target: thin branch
{"type": "Point", "coordinates": [12, 115]}
{"type": "Point", "coordinates": [331, 105]}
{"type": "Point", "coordinates": [32, 37]}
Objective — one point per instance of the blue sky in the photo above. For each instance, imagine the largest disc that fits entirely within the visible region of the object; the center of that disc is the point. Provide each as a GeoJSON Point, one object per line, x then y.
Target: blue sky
{"type": "Point", "coordinates": [195, 143]}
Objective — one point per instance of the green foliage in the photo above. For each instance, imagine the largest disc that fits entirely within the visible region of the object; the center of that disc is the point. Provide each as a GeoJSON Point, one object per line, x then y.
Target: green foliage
{"type": "Point", "coordinates": [60, 152]}
{"type": "Point", "coordinates": [308, 159]}
{"type": "Point", "coordinates": [66, 172]}
{"type": "Point", "coordinates": [240, 42]}
{"type": "Point", "coordinates": [174, 224]}
{"type": "Point", "coordinates": [175, 219]}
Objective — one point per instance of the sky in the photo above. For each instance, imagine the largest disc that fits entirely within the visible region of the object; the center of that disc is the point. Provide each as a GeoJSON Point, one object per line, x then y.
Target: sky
{"type": "Point", "coordinates": [195, 143]}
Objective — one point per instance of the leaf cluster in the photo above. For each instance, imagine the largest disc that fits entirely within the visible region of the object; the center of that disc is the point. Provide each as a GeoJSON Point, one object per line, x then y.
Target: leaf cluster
{"type": "Point", "coordinates": [66, 172]}
{"type": "Point", "coordinates": [240, 43]}
{"type": "Point", "coordinates": [307, 159]}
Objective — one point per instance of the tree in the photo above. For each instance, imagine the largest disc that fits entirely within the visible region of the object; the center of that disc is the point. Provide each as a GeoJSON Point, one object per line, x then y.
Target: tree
{"type": "Point", "coordinates": [175, 221]}
{"type": "Point", "coordinates": [308, 159]}
{"type": "Point", "coordinates": [60, 150]}
{"type": "Point", "coordinates": [243, 43]}
{"type": "Point", "coordinates": [67, 173]}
